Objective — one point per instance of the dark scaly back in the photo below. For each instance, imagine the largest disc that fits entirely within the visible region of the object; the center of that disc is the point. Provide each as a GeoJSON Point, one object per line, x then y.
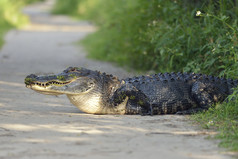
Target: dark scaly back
{"type": "Point", "coordinates": [223, 85]}
{"type": "Point", "coordinates": [171, 92]}
{"type": "Point", "coordinates": [167, 93]}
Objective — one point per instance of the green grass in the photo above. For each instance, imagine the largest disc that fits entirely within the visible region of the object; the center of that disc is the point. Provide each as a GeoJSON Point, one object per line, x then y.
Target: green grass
{"type": "Point", "coordinates": [224, 119]}
{"type": "Point", "coordinates": [166, 36]}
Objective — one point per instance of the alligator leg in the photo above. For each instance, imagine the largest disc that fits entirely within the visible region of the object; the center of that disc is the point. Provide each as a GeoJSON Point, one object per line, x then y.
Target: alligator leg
{"type": "Point", "coordinates": [203, 94]}
{"type": "Point", "coordinates": [146, 110]}
{"type": "Point", "coordinates": [137, 103]}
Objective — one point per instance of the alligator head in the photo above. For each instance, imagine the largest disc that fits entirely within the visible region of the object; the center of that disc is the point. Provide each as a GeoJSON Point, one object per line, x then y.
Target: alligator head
{"type": "Point", "coordinates": [71, 81]}
{"type": "Point", "coordinates": [89, 90]}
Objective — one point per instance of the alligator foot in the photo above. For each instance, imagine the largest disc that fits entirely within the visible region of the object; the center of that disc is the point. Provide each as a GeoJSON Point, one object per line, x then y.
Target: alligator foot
{"type": "Point", "coordinates": [145, 112]}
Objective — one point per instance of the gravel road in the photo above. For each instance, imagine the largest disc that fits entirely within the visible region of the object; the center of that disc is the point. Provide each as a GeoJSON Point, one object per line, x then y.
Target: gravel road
{"type": "Point", "coordinates": [38, 126]}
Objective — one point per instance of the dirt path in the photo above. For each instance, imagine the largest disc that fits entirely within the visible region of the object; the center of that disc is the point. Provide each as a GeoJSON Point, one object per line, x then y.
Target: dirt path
{"type": "Point", "coordinates": [38, 126]}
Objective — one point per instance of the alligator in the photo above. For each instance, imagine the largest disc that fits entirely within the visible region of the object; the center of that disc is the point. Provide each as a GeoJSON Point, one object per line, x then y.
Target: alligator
{"type": "Point", "coordinates": [163, 93]}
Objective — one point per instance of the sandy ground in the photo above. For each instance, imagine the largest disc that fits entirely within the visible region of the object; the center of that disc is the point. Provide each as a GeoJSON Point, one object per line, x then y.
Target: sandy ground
{"type": "Point", "coordinates": [38, 126]}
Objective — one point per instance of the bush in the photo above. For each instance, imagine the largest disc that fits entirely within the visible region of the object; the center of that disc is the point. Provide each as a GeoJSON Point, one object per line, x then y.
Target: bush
{"type": "Point", "coordinates": [166, 36]}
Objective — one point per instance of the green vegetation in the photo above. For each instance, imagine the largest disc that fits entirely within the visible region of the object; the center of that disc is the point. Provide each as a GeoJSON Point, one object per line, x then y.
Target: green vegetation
{"type": "Point", "coordinates": [164, 36]}
{"type": "Point", "coordinates": [224, 118]}
{"type": "Point", "coordinates": [11, 16]}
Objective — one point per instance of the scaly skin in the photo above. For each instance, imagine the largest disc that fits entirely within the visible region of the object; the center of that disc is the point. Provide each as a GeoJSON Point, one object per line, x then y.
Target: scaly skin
{"type": "Point", "coordinates": [168, 93]}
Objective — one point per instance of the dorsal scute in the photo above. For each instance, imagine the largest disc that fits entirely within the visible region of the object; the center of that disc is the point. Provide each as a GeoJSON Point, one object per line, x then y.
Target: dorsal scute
{"type": "Point", "coordinates": [75, 69]}
{"type": "Point", "coordinates": [163, 77]}
{"type": "Point", "coordinates": [185, 77]}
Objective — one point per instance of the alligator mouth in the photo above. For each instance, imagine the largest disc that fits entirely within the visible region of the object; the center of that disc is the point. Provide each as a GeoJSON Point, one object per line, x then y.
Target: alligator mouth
{"type": "Point", "coordinates": [45, 87]}
{"type": "Point", "coordinates": [49, 83]}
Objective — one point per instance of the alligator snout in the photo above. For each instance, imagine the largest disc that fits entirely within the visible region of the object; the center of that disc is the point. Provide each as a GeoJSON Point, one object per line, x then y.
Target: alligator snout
{"type": "Point", "coordinates": [30, 79]}
{"type": "Point", "coordinates": [31, 76]}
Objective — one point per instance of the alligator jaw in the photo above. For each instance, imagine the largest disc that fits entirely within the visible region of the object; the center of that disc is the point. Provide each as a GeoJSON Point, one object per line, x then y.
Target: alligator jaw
{"type": "Point", "coordinates": [71, 81]}
{"type": "Point", "coordinates": [43, 90]}
{"type": "Point", "coordinates": [38, 84]}
{"type": "Point", "coordinates": [44, 84]}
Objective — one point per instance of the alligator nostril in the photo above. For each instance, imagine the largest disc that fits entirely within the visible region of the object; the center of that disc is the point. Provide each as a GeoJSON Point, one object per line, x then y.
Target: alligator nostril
{"type": "Point", "coordinates": [31, 76]}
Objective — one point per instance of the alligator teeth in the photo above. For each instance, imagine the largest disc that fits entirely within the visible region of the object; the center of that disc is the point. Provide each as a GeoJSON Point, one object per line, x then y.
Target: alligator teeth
{"type": "Point", "coordinates": [51, 83]}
